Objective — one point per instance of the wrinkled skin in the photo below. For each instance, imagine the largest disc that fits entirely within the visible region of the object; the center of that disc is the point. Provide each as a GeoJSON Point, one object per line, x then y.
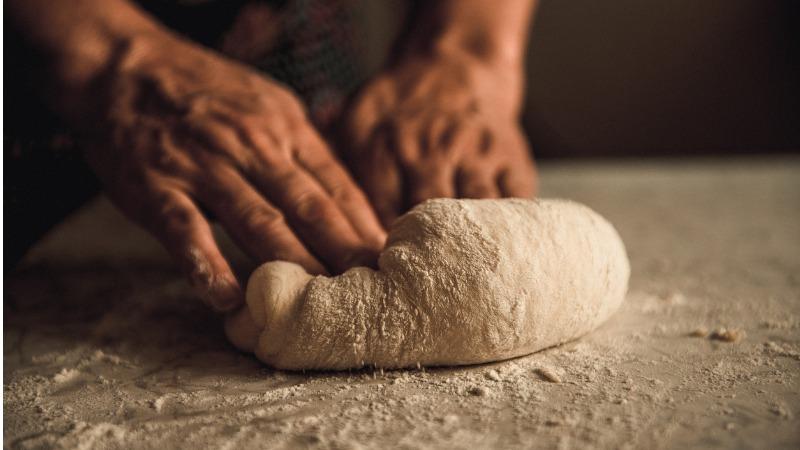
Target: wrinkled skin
{"type": "Point", "coordinates": [438, 125]}
{"type": "Point", "coordinates": [174, 130]}
{"type": "Point", "coordinates": [183, 128]}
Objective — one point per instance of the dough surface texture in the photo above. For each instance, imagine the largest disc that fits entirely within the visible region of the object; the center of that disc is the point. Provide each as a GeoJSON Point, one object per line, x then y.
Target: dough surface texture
{"type": "Point", "coordinates": [459, 282]}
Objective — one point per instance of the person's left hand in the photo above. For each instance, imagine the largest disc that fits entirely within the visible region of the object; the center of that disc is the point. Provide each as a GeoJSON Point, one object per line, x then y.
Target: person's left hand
{"type": "Point", "coordinates": [438, 125]}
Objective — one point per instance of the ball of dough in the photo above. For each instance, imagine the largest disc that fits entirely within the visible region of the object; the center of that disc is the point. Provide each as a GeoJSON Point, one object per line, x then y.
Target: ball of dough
{"type": "Point", "coordinates": [459, 282]}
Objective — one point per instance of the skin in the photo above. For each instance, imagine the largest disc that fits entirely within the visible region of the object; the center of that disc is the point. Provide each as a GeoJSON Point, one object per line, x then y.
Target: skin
{"type": "Point", "coordinates": [171, 127]}
{"type": "Point", "coordinates": [442, 119]}
{"type": "Point", "coordinates": [175, 131]}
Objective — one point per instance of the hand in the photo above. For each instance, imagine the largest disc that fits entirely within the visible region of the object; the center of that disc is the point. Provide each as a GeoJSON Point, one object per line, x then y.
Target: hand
{"type": "Point", "coordinates": [439, 125]}
{"type": "Point", "coordinates": [181, 128]}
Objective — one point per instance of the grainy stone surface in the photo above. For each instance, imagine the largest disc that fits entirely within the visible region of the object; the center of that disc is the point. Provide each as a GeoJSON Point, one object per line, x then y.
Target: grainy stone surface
{"type": "Point", "coordinates": [106, 347]}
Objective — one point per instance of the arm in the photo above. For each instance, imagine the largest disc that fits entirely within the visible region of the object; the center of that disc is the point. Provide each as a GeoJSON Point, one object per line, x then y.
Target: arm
{"type": "Point", "coordinates": [170, 127]}
{"type": "Point", "coordinates": [494, 33]}
{"type": "Point", "coordinates": [76, 41]}
{"type": "Point", "coordinates": [441, 120]}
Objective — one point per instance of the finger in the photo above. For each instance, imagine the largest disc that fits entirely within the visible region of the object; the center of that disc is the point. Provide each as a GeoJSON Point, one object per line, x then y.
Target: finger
{"type": "Point", "coordinates": [459, 137]}
{"type": "Point", "coordinates": [369, 107]}
{"type": "Point", "coordinates": [431, 181]}
{"type": "Point", "coordinates": [220, 136]}
{"type": "Point", "coordinates": [314, 215]}
{"type": "Point", "coordinates": [185, 233]}
{"type": "Point", "coordinates": [435, 129]}
{"type": "Point", "coordinates": [476, 176]}
{"type": "Point", "coordinates": [518, 181]}
{"type": "Point", "coordinates": [380, 176]}
{"type": "Point", "coordinates": [257, 226]}
{"type": "Point", "coordinates": [425, 177]}
{"type": "Point", "coordinates": [477, 182]}
{"type": "Point", "coordinates": [405, 139]}
{"type": "Point", "coordinates": [318, 161]}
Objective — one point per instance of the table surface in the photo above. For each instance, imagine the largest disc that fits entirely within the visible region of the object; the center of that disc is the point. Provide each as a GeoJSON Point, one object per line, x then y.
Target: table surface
{"type": "Point", "coordinates": [105, 346]}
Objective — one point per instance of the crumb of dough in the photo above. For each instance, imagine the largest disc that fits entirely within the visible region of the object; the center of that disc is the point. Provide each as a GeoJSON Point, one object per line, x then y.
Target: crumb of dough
{"type": "Point", "coordinates": [700, 332]}
{"type": "Point", "coordinates": [780, 411]}
{"type": "Point", "coordinates": [548, 375]}
{"type": "Point", "coordinates": [493, 375]}
{"type": "Point", "coordinates": [727, 334]}
{"type": "Point", "coordinates": [65, 375]}
{"type": "Point", "coordinates": [157, 404]}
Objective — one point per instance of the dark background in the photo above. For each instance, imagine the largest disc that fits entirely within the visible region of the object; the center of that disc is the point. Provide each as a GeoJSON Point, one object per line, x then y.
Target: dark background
{"type": "Point", "coordinates": [632, 77]}
{"type": "Point", "coordinates": [654, 77]}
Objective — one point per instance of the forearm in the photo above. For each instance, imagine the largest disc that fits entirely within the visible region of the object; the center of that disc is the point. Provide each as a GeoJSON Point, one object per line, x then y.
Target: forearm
{"type": "Point", "coordinates": [495, 32]}
{"type": "Point", "coordinates": [74, 42]}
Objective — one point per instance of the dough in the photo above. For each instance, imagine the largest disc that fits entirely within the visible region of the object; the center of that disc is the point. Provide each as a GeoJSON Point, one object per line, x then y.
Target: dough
{"type": "Point", "coordinates": [459, 282]}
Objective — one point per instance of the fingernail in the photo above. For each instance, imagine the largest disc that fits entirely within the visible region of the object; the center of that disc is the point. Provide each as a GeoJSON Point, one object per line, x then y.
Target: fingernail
{"type": "Point", "coordinates": [226, 294]}
{"type": "Point", "coordinates": [379, 241]}
{"type": "Point", "coordinates": [221, 292]}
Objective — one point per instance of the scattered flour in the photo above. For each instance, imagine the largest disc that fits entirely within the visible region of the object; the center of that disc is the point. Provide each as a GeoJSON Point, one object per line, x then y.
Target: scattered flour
{"type": "Point", "coordinates": [622, 386]}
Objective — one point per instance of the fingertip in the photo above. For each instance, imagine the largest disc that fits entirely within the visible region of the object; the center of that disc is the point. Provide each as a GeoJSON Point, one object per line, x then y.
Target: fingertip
{"type": "Point", "coordinates": [226, 294]}
{"type": "Point", "coordinates": [222, 292]}
{"type": "Point", "coordinates": [242, 330]}
{"type": "Point", "coordinates": [212, 279]}
{"type": "Point", "coordinates": [387, 218]}
{"type": "Point", "coordinates": [365, 257]}
{"type": "Point", "coordinates": [315, 268]}
{"type": "Point", "coordinates": [515, 185]}
{"type": "Point", "coordinates": [378, 241]}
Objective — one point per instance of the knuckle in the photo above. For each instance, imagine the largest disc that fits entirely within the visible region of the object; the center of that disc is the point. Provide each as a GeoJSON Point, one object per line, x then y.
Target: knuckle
{"type": "Point", "coordinates": [341, 192]}
{"type": "Point", "coordinates": [220, 138]}
{"type": "Point", "coordinates": [261, 217]}
{"type": "Point", "coordinates": [172, 213]}
{"type": "Point", "coordinates": [168, 215]}
{"type": "Point", "coordinates": [311, 206]}
{"type": "Point", "coordinates": [274, 152]}
{"type": "Point", "coordinates": [170, 161]}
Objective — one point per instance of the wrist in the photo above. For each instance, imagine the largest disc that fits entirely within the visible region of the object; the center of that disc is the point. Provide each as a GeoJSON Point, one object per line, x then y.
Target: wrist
{"type": "Point", "coordinates": [494, 33]}
{"type": "Point", "coordinates": [500, 80]}
{"type": "Point", "coordinates": [83, 86]}
{"type": "Point", "coordinates": [490, 49]}
{"type": "Point", "coordinates": [75, 46]}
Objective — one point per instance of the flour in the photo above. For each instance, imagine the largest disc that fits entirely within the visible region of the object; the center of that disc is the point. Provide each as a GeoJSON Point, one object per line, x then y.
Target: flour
{"type": "Point", "coordinates": [727, 334]}
{"type": "Point", "coordinates": [724, 240]}
{"type": "Point", "coordinates": [460, 282]}
{"type": "Point", "coordinates": [493, 375]}
{"type": "Point", "coordinates": [548, 374]}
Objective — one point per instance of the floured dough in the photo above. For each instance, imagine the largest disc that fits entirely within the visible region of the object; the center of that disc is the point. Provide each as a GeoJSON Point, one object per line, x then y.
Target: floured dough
{"type": "Point", "coordinates": [459, 282]}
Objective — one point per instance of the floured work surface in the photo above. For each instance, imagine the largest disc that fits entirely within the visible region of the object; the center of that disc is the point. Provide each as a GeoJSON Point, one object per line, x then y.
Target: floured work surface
{"type": "Point", "coordinates": [105, 347]}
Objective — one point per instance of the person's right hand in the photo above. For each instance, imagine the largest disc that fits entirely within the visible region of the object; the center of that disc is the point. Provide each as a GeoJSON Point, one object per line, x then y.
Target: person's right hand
{"type": "Point", "coordinates": [182, 128]}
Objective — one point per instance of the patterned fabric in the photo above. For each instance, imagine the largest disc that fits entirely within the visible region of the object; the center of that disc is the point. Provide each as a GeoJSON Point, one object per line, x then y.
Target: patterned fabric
{"type": "Point", "coordinates": [318, 57]}
{"type": "Point", "coordinates": [310, 45]}
{"type": "Point", "coordinates": [316, 53]}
